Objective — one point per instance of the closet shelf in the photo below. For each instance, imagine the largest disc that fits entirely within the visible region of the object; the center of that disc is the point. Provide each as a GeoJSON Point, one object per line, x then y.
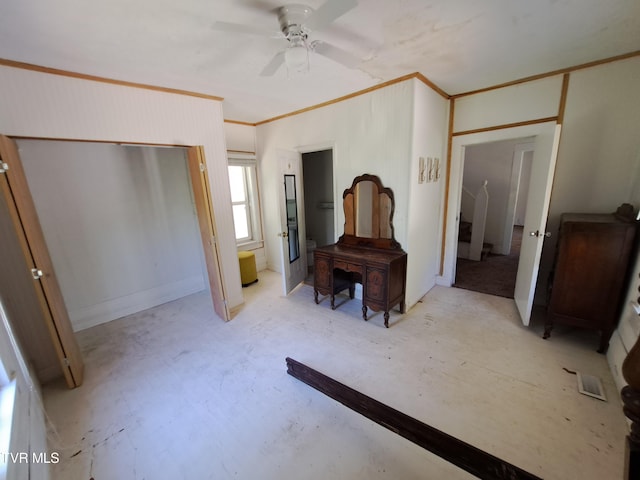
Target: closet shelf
{"type": "Point", "coordinates": [325, 205]}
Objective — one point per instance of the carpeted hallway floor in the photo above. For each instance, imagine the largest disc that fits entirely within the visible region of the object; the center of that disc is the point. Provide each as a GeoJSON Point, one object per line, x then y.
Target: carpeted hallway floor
{"type": "Point", "coordinates": [495, 275]}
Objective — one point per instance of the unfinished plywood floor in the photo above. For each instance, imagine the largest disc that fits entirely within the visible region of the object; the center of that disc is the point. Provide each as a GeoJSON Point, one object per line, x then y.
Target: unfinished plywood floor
{"type": "Point", "coordinates": [173, 392]}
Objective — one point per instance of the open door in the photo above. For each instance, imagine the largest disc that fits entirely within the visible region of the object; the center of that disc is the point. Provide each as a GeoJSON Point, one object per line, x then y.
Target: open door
{"type": "Point", "coordinates": [292, 221]}
{"type": "Point", "coordinates": [206, 220]}
{"type": "Point", "coordinates": [42, 289]}
{"type": "Point", "coordinates": [534, 233]}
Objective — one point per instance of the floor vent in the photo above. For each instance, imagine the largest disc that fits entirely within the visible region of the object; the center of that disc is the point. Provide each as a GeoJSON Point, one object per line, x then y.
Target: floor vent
{"type": "Point", "coordinates": [590, 385]}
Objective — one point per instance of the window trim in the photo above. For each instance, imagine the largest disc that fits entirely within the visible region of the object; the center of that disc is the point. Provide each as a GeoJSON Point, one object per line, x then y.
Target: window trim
{"type": "Point", "coordinates": [253, 191]}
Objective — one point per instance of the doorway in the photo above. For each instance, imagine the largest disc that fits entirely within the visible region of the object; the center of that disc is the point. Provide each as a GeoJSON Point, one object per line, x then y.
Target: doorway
{"type": "Point", "coordinates": [123, 238]}
{"type": "Point", "coordinates": [317, 174]}
{"type": "Point", "coordinates": [503, 169]}
{"type": "Point", "coordinates": [547, 140]}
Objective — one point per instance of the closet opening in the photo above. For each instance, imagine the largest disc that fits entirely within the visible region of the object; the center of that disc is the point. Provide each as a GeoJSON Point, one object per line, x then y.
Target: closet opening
{"type": "Point", "coordinates": [124, 224]}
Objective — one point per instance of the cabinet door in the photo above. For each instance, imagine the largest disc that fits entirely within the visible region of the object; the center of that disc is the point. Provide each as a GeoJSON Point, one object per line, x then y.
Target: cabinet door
{"type": "Point", "coordinates": [376, 285]}
{"type": "Point", "coordinates": [322, 272]}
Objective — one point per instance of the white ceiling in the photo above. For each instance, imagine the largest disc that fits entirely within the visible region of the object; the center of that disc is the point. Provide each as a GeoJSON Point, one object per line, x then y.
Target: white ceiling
{"type": "Point", "coordinates": [460, 45]}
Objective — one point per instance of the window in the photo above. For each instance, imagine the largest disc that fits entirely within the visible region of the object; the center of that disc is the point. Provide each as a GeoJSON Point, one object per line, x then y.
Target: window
{"type": "Point", "coordinates": [243, 180]}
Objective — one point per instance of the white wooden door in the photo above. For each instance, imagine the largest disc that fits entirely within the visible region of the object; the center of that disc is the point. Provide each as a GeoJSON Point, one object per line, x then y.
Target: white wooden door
{"type": "Point", "coordinates": [534, 233]}
{"type": "Point", "coordinates": [206, 220]}
{"type": "Point", "coordinates": [292, 232]}
{"type": "Point", "coordinates": [50, 312]}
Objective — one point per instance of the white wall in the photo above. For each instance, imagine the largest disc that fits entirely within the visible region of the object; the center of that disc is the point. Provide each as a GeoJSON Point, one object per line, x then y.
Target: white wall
{"type": "Point", "coordinates": [44, 105]}
{"type": "Point", "coordinates": [599, 158]}
{"type": "Point", "coordinates": [120, 225]}
{"type": "Point", "coordinates": [426, 202]}
{"type": "Point", "coordinates": [370, 133]}
{"type": "Point", "coordinates": [517, 103]}
{"type": "Point", "coordinates": [240, 137]}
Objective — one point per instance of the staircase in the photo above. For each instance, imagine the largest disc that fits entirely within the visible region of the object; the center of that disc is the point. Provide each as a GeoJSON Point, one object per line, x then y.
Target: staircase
{"type": "Point", "coordinates": [464, 241]}
{"type": "Point", "coordinates": [471, 242]}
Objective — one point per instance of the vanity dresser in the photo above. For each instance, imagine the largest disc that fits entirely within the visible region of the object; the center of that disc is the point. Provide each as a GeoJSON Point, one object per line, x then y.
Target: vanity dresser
{"type": "Point", "coordinates": [367, 252]}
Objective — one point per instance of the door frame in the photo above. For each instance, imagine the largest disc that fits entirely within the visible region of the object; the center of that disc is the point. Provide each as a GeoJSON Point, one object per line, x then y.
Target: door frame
{"type": "Point", "coordinates": [61, 330]}
{"type": "Point", "coordinates": [300, 150]}
{"type": "Point", "coordinates": [293, 273]}
{"type": "Point", "coordinates": [333, 191]}
{"type": "Point", "coordinates": [455, 181]}
{"type": "Point", "coordinates": [320, 147]}
{"type": "Point", "coordinates": [514, 191]}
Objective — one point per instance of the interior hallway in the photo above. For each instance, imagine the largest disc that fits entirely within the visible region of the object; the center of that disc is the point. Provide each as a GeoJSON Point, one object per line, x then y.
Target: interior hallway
{"type": "Point", "coordinates": [495, 274]}
{"type": "Point", "coordinates": [173, 392]}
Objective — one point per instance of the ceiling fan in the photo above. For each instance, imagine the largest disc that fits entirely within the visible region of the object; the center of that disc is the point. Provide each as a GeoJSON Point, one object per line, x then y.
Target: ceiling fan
{"type": "Point", "coordinates": [296, 24]}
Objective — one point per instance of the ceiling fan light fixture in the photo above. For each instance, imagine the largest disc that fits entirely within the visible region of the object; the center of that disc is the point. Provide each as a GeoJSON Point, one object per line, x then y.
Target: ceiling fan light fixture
{"type": "Point", "coordinates": [296, 24]}
{"type": "Point", "coordinates": [296, 56]}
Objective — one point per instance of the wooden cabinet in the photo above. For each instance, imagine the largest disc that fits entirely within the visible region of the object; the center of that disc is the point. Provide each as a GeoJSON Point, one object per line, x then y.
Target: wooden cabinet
{"type": "Point", "coordinates": [586, 285]}
{"type": "Point", "coordinates": [382, 274]}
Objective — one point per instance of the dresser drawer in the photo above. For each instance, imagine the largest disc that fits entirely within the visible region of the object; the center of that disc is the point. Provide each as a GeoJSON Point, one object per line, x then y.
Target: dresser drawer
{"type": "Point", "coordinates": [347, 267]}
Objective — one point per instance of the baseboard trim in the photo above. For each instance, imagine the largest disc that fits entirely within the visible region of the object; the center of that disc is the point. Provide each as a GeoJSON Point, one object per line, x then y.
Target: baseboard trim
{"type": "Point", "coordinates": [49, 373]}
{"type": "Point", "coordinates": [93, 315]}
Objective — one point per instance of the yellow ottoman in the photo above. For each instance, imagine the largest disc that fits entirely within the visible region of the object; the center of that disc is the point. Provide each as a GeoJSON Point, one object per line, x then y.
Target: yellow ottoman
{"type": "Point", "coordinates": [248, 272]}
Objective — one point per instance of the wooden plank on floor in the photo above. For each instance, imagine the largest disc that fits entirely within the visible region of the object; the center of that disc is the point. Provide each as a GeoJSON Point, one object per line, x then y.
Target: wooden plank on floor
{"type": "Point", "coordinates": [465, 456]}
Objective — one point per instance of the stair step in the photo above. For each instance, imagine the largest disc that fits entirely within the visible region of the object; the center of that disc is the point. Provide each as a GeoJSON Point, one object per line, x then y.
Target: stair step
{"type": "Point", "coordinates": [464, 232]}
{"type": "Point", "coordinates": [486, 249]}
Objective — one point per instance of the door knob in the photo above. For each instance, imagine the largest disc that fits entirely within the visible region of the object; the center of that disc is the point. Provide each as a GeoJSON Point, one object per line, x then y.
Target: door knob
{"type": "Point", "coordinates": [537, 233]}
{"type": "Point", "coordinates": [283, 234]}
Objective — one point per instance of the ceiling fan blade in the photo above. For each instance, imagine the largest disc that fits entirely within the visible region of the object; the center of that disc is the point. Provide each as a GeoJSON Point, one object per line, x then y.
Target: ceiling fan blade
{"type": "Point", "coordinates": [336, 54]}
{"type": "Point", "coordinates": [273, 65]}
{"type": "Point", "coordinates": [328, 12]}
{"type": "Point", "coordinates": [262, 5]}
{"type": "Point", "coordinates": [246, 29]}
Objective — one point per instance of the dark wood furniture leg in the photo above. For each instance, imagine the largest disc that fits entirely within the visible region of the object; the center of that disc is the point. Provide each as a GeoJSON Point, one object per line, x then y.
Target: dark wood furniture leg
{"type": "Point", "coordinates": [604, 340]}
{"type": "Point", "coordinates": [364, 312]}
{"type": "Point", "coordinates": [386, 319]}
{"type": "Point", "coordinates": [315, 296]}
{"type": "Point", "coordinates": [548, 326]}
